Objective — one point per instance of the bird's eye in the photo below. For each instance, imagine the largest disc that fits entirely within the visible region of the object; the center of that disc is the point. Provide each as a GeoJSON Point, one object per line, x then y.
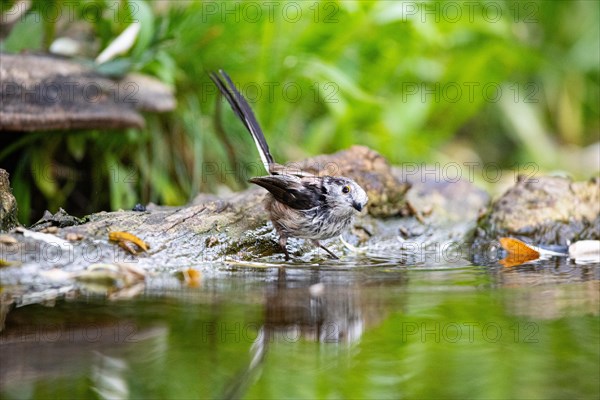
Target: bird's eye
{"type": "Point", "coordinates": [346, 189]}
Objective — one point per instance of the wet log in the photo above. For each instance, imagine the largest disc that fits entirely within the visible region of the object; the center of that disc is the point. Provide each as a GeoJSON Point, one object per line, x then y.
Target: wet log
{"type": "Point", "coordinates": [213, 231]}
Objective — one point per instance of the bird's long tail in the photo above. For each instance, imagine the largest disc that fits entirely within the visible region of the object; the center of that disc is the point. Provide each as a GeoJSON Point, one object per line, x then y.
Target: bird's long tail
{"type": "Point", "coordinates": [242, 109]}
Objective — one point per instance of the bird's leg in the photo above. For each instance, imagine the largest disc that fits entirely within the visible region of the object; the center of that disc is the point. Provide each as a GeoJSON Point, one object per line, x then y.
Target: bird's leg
{"type": "Point", "coordinates": [316, 243]}
{"type": "Point", "coordinates": [282, 244]}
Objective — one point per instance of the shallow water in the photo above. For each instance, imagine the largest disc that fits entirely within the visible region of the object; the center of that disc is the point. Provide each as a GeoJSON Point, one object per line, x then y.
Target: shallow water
{"type": "Point", "coordinates": [365, 329]}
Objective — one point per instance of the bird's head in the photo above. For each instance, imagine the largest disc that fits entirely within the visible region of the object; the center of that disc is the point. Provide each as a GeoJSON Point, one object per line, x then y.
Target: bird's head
{"type": "Point", "coordinates": [344, 194]}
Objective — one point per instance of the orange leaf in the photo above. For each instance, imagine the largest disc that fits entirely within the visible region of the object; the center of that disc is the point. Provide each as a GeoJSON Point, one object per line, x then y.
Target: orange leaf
{"type": "Point", "coordinates": [192, 277]}
{"type": "Point", "coordinates": [518, 252]}
{"type": "Point", "coordinates": [512, 260]}
{"type": "Point", "coordinates": [121, 237]}
{"type": "Point", "coordinates": [518, 248]}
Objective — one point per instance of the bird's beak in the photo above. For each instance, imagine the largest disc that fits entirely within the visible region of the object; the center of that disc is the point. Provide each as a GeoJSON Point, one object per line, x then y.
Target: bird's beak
{"type": "Point", "coordinates": [357, 206]}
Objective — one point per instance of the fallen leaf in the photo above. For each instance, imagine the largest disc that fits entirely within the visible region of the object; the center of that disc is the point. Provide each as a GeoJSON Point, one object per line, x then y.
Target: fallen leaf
{"type": "Point", "coordinates": [8, 240]}
{"type": "Point", "coordinates": [122, 238]}
{"type": "Point", "coordinates": [4, 263]}
{"type": "Point", "coordinates": [518, 248]}
{"type": "Point", "coordinates": [73, 237]}
{"type": "Point", "coordinates": [519, 252]}
{"type": "Point", "coordinates": [191, 277]}
{"type": "Point", "coordinates": [513, 261]}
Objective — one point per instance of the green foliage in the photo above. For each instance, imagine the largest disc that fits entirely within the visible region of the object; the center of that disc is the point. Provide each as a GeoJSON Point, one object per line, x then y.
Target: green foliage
{"type": "Point", "coordinates": [504, 82]}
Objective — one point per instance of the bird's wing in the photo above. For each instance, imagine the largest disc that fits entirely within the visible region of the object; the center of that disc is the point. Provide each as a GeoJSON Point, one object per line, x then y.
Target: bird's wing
{"type": "Point", "coordinates": [293, 191]}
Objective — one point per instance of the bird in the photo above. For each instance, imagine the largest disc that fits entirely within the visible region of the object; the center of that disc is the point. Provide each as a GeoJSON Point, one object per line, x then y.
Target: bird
{"type": "Point", "coordinates": [299, 204]}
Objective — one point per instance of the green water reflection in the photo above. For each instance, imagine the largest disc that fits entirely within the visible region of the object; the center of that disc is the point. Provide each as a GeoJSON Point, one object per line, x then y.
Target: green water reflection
{"type": "Point", "coordinates": [365, 333]}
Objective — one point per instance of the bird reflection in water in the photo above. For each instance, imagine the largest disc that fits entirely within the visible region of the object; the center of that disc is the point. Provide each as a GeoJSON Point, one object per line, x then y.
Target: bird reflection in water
{"type": "Point", "coordinates": [325, 310]}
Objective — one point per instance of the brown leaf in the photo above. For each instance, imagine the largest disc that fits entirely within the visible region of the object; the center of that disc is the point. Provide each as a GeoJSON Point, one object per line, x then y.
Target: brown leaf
{"type": "Point", "coordinates": [73, 237]}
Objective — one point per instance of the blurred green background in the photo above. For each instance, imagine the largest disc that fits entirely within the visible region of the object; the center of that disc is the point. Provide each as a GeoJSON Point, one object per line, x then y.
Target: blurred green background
{"type": "Point", "coordinates": [514, 85]}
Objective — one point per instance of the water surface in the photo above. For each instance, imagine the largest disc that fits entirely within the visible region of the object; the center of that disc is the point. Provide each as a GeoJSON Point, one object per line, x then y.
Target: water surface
{"type": "Point", "coordinates": [363, 330]}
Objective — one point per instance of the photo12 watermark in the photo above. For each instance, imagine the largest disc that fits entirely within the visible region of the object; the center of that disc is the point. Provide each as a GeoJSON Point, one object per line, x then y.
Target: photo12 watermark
{"type": "Point", "coordinates": [270, 11]}
{"type": "Point", "coordinates": [57, 92]}
{"type": "Point", "coordinates": [288, 91]}
{"type": "Point", "coordinates": [119, 332]}
{"type": "Point", "coordinates": [467, 11]}
{"type": "Point", "coordinates": [470, 92]}
{"type": "Point", "coordinates": [252, 12]}
{"type": "Point", "coordinates": [464, 332]}
{"type": "Point", "coordinates": [469, 171]}
{"type": "Point", "coordinates": [469, 332]}
{"type": "Point", "coordinates": [71, 11]}
{"type": "Point", "coordinates": [62, 253]}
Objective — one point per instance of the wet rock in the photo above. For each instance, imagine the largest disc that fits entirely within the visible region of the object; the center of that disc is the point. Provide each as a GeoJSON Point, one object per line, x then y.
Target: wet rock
{"type": "Point", "coordinates": [8, 204]}
{"type": "Point", "coordinates": [447, 202]}
{"type": "Point", "coordinates": [435, 228]}
{"type": "Point", "coordinates": [545, 210]}
{"type": "Point", "coordinates": [371, 171]}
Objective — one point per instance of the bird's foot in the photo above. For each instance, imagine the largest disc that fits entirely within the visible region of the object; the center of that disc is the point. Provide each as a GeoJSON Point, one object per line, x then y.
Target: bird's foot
{"type": "Point", "coordinates": [317, 243]}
